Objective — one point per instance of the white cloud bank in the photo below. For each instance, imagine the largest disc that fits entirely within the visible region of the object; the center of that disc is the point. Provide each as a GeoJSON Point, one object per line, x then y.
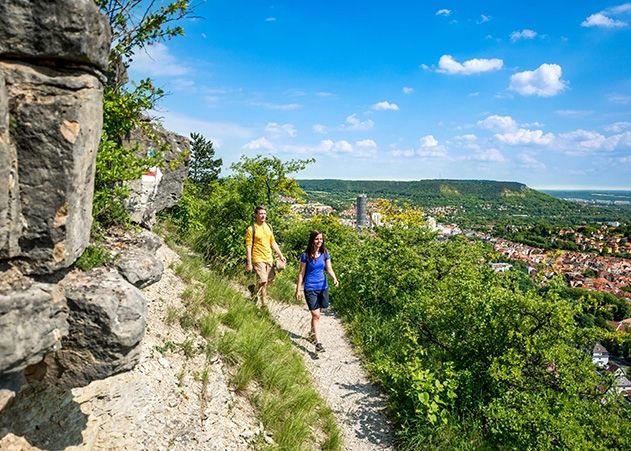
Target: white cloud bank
{"type": "Point", "coordinates": [385, 106]}
{"type": "Point", "coordinates": [258, 144]}
{"type": "Point", "coordinates": [523, 34]}
{"type": "Point", "coordinates": [545, 81]}
{"type": "Point", "coordinates": [156, 60]}
{"type": "Point", "coordinates": [277, 130]}
{"type": "Point", "coordinates": [443, 12]}
{"type": "Point", "coordinates": [603, 18]}
{"type": "Point", "coordinates": [353, 123]}
{"type": "Point", "coordinates": [498, 124]}
{"type": "Point", "coordinates": [448, 65]}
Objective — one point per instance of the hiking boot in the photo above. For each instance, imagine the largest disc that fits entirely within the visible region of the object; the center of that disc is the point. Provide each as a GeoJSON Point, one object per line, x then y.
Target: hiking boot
{"type": "Point", "coordinates": [319, 347]}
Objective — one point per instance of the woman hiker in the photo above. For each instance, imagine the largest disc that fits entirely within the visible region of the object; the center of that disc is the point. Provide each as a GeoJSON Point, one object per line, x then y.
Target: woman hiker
{"type": "Point", "coordinates": [313, 264]}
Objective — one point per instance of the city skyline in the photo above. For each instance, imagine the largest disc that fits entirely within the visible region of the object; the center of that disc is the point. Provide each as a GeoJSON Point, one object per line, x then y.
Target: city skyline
{"type": "Point", "coordinates": [538, 93]}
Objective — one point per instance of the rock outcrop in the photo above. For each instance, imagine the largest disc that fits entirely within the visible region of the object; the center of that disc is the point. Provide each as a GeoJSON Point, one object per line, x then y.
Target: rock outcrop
{"type": "Point", "coordinates": [52, 59]}
{"type": "Point", "coordinates": [50, 124]}
{"type": "Point", "coordinates": [60, 327]}
{"type": "Point", "coordinates": [161, 187]}
{"type": "Point", "coordinates": [107, 322]}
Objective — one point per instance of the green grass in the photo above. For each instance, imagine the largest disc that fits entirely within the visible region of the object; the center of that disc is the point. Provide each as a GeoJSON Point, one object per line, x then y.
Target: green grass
{"type": "Point", "coordinates": [266, 367]}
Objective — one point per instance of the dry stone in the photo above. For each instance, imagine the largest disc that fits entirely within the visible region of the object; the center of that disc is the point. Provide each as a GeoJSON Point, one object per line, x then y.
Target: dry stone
{"type": "Point", "coordinates": [106, 324]}
{"type": "Point", "coordinates": [55, 125]}
{"type": "Point", "coordinates": [139, 267]}
{"type": "Point", "coordinates": [68, 30]}
{"type": "Point", "coordinates": [32, 321]}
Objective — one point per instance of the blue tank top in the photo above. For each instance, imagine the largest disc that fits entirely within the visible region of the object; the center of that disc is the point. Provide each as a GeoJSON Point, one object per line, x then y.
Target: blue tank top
{"type": "Point", "coordinates": [315, 277]}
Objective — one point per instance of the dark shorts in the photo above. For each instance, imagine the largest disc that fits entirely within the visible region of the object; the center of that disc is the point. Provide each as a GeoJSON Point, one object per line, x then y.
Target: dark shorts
{"type": "Point", "coordinates": [317, 299]}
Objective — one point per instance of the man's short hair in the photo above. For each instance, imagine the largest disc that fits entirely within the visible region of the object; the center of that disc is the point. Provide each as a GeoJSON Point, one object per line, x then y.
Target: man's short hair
{"type": "Point", "coordinates": [259, 208]}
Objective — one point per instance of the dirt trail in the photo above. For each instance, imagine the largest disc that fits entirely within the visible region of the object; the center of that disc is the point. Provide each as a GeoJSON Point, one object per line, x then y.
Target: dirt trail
{"type": "Point", "coordinates": [356, 403]}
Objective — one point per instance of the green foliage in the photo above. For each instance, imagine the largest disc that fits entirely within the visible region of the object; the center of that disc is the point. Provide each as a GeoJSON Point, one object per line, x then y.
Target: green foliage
{"type": "Point", "coordinates": [450, 339]}
{"type": "Point", "coordinates": [95, 255]}
{"type": "Point", "coordinates": [204, 168]}
{"type": "Point", "coordinates": [213, 222]}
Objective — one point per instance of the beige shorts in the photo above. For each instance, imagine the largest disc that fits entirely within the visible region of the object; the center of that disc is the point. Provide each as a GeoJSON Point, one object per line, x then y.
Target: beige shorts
{"type": "Point", "coordinates": [264, 272]}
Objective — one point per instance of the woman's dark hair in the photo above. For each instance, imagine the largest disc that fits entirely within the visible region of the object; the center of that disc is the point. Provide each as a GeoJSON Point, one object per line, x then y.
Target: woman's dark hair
{"type": "Point", "coordinates": [311, 250]}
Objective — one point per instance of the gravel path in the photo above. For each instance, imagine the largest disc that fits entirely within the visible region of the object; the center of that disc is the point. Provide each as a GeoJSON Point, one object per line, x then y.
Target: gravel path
{"type": "Point", "coordinates": [356, 403]}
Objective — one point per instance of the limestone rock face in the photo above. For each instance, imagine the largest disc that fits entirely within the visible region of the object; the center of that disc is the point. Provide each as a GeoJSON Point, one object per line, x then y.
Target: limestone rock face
{"type": "Point", "coordinates": [70, 30]}
{"type": "Point", "coordinates": [162, 187]}
{"type": "Point", "coordinates": [54, 130]}
{"type": "Point", "coordinates": [106, 323]}
{"type": "Point", "coordinates": [32, 321]}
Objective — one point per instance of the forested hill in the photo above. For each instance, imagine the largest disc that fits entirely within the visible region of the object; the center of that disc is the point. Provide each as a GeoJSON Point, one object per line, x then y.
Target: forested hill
{"type": "Point", "coordinates": [475, 201]}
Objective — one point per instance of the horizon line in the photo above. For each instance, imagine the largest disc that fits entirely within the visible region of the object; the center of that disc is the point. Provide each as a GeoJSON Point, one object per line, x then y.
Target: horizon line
{"type": "Point", "coordinates": [539, 188]}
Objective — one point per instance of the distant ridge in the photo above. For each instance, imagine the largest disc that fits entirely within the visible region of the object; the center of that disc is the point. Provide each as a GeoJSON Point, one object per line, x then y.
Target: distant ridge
{"type": "Point", "coordinates": [477, 201]}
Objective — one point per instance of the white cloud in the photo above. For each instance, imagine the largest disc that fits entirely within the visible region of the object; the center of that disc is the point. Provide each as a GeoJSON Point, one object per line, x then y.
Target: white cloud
{"type": "Point", "coordinates": [278, 130]}
{"type": "Point", "coordinates": [583, 142]}
{"type": "Point", "coordinates": [488, 155]}
{"type": "Point", "coordinates": [407, 90]}
{"type": "Point", "coordinates": [468, 138]}
{"type": "Point", "coordinates": [403, 153]}
{"type": "Point", "coordinates": [430, 147]}
{"type": "Point", "coordinates": [617, 127]}
{"type": "Point", "coordinates": [443, 12]}
{"type": "Point", "coordinates": [324, 94]}
{"type": "Point", "coordinates": [385, 106]}
{"type": "Point", "coordinates": [319, 128]}
{"type": "Point", "coordinates": [619, 99]}
{"type": "Point", "coordinates": [545, 81]}
{"type": "Point", "coordinates": [528, 160]}
{"type": "Point", "coordinates": [498, 124]}
{"type": "Point", "coordinates": [484, 18]}
{"type": "Point", "coordinates": [620, 9]}
{"type": "Point", "coordinates": [601, 20]}
{"type": "Point", "coordinates": [353, 123]}
{"type": "Point", "coordinates": [257, 144]}
{"type": "Point", "coordinates": [574, 113]}
{"type": "Point", "coordinates": [156, 60]}
{"type": "Point", "coordinates": [448, 65]}
{"type": "Point", "coordinates": [218, 132]}
{"type": "Point", "coordinates": [525, 137]}
{"type": "Point", "coordinates": [278, 106]}
{"type": "Point", "coordinates": [366, 147]}
{"type": "Point", "coordinates": [270, 19]}
{"type": "Point", "coordinates": [523, 34]}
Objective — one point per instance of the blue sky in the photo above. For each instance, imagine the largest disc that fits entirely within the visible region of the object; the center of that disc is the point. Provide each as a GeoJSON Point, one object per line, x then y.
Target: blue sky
{"type": "Point", "coordinates": [534, 92]}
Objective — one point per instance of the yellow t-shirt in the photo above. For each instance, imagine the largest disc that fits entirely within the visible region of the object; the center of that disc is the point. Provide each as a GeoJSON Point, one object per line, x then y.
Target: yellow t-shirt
{"type": "Point", "coordinates": [263, 240]}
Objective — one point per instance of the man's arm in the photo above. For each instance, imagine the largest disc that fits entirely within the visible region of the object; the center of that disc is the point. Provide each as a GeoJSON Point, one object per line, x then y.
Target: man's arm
{"type": "Point", "coordinates": [279, 254]}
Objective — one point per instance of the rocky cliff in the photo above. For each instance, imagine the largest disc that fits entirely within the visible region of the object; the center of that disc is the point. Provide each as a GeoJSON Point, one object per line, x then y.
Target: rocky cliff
{"type": "Point", "coordinates": [59, 326]}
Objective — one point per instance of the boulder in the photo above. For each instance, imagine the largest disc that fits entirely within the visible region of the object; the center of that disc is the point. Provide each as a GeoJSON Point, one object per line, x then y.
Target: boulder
{"type": "Point", "coordinates": [55, 119]}
{"type": "Point", "coordinates": [106, 324]}
{"type": "Point", "coordinates": [161, 187]}
{"type": "Point", "coordinates": [139, 267]}
{"type": "Point", "coordinates": [68, 30]}
{"type": "Point", "coordinates": [33, 320]}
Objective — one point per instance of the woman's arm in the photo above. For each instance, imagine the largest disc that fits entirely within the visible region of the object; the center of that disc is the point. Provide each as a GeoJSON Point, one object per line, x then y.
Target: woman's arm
{"type": "Point", "coordinates": [329, 269]}
{"type": "Point", "coordinates": [301, 276]}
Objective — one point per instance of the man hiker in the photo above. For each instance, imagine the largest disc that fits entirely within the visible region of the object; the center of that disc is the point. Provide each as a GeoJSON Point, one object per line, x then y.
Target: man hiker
{"type": "Point", "coordinates": [259, 243]}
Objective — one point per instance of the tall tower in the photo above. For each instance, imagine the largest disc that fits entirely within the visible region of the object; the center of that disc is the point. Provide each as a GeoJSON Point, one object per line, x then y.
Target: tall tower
{"type": "Point", "coordinates": [362, 218]}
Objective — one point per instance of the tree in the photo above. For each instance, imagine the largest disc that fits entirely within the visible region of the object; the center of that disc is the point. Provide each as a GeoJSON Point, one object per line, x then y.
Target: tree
{"type": "Point", "coordinates": [203, 168]}
{"type": "Point", "coordinates": [261, 179]}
